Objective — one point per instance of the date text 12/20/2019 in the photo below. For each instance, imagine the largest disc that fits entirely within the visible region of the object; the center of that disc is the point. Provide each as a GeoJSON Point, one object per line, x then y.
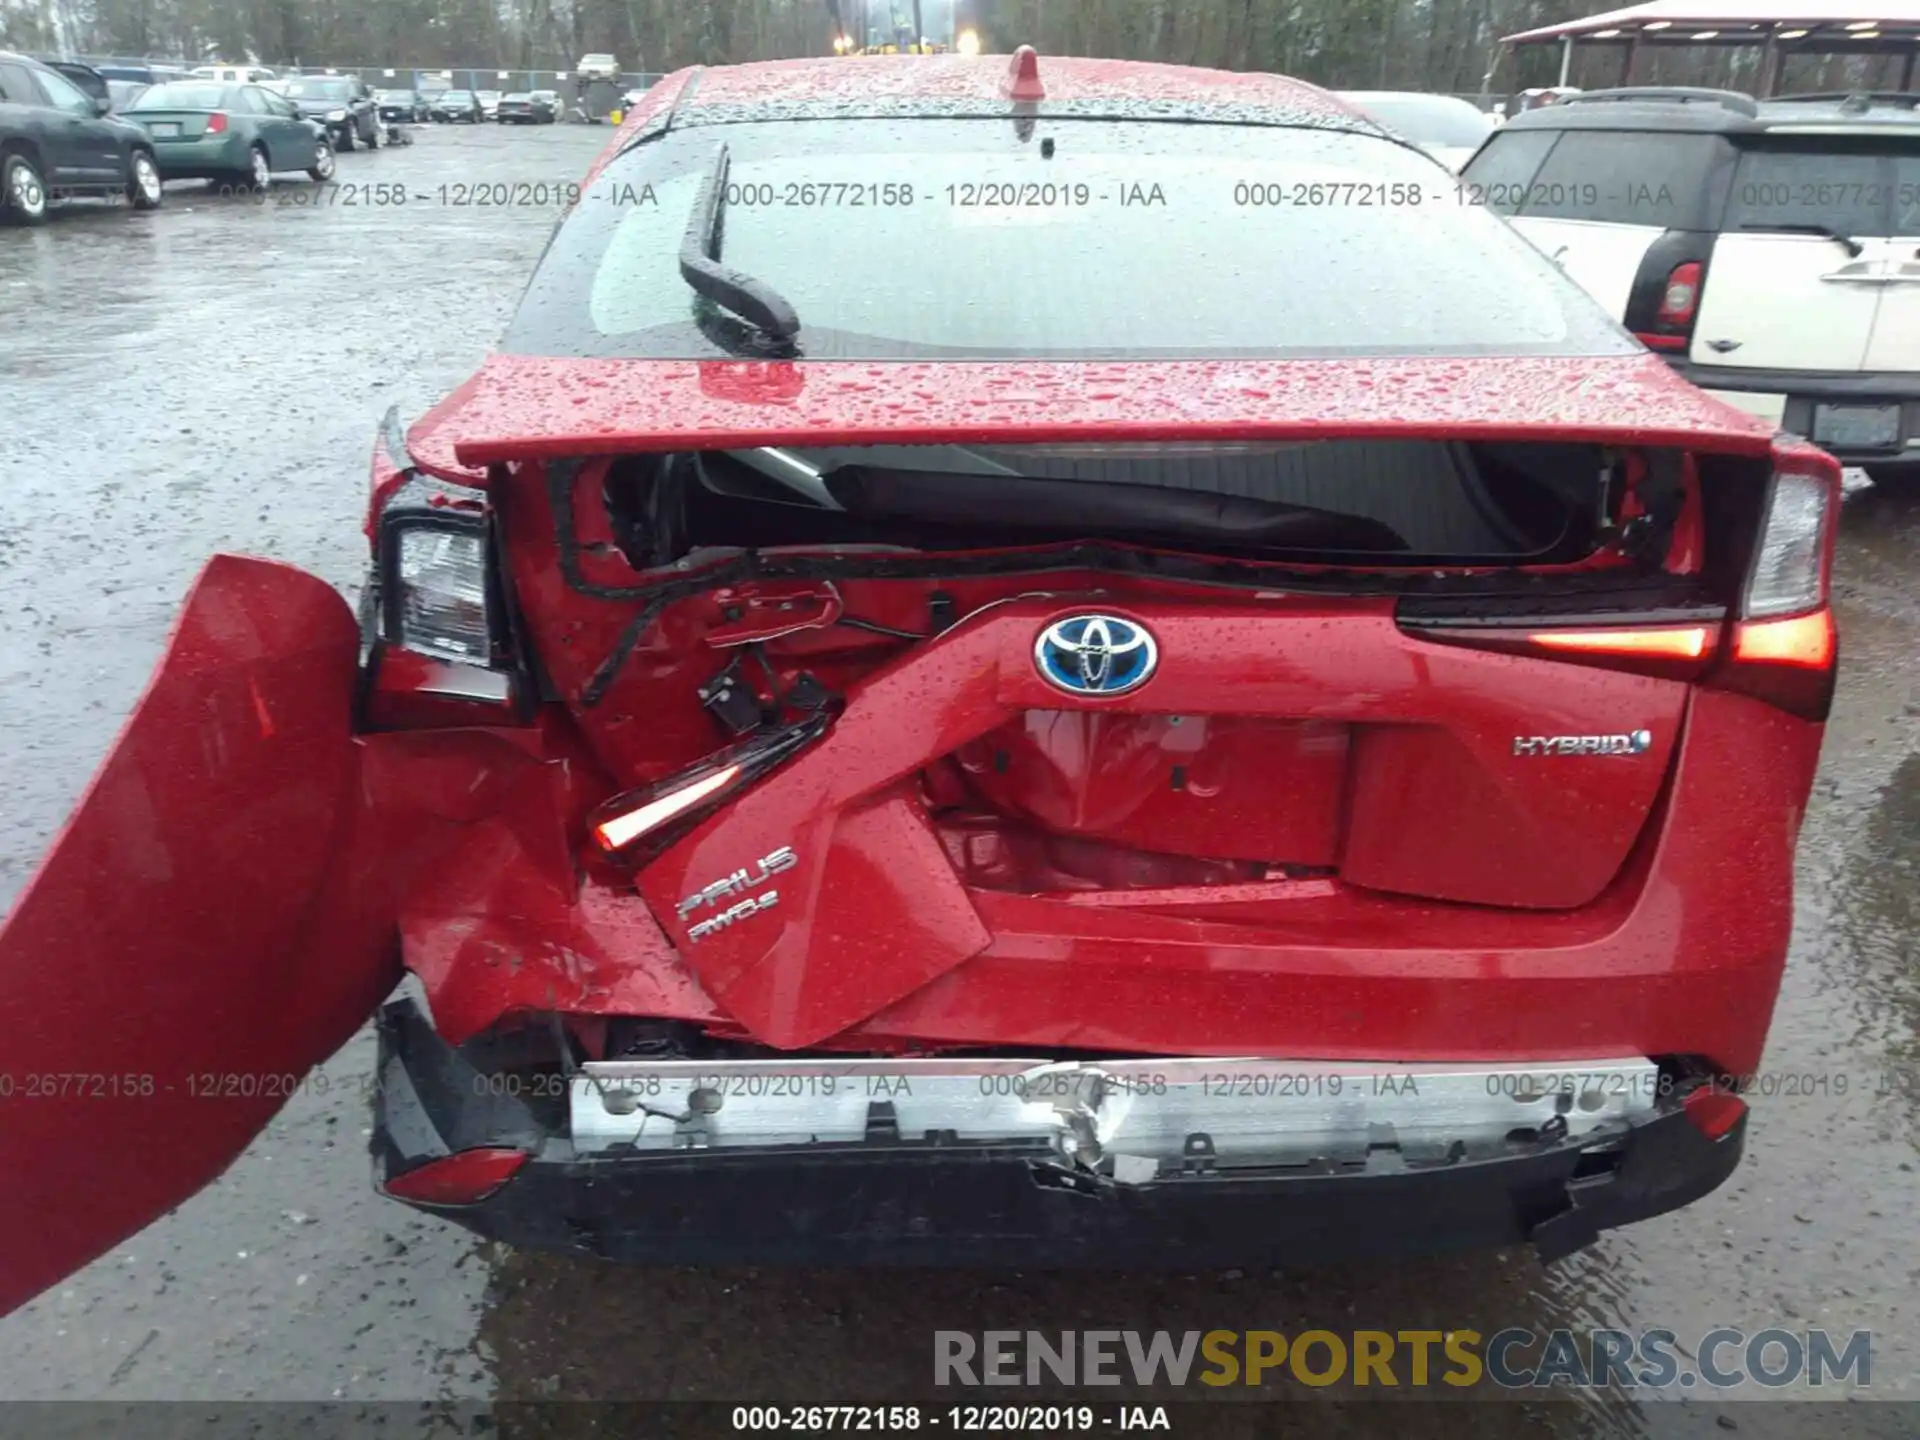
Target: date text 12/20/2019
{"type": "Point", "coordinates": [961, 1419]}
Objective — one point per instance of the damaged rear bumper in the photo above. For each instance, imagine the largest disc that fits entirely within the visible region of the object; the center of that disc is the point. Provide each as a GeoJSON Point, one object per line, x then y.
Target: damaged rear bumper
{"type": "Point", "coordinates": [904, 1194]}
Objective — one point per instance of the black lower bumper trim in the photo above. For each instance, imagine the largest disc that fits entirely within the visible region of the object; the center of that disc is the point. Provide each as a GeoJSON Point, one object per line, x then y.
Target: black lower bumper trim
{"type": "Point", "coordinates": [946, 1203]}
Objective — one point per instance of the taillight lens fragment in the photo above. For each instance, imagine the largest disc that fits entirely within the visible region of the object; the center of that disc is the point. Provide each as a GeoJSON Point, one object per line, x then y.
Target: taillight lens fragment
{"type": "Point", "coordinates": [1789, 570]}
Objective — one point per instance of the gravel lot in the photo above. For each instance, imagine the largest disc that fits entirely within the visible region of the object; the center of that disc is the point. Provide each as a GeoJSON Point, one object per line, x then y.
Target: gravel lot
{"type": "Point", "coordinates": [209, 378]}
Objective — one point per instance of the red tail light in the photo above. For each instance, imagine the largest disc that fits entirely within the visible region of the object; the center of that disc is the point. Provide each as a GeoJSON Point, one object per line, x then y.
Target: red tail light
{"type": "Point", "coordinates": [1679, 304]}
{"type": "Point", "coordinates": [463, 1178]}
{"type": "Point", "coordinates": [1673, 652]}
{"type": "Point", "coordinates": [217, 123]}
{"type": "Point", "coordinates": [1682, 295]}
{"type": "Point", "coordinates": [634, 817]}
{"type": "Point", "coordinates": [1808, 640]}
{"type": "Point", "coordinates": [633, 827]}
{"type": "Point", "coordinates": [1686, 642]}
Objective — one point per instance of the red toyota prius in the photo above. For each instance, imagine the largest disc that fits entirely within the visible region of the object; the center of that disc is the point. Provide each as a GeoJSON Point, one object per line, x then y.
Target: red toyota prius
{"type": "Point", "coordinates": [1020, 661]}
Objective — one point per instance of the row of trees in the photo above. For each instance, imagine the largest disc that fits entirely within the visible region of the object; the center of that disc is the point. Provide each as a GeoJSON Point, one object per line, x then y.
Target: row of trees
{"type": "Point", "coordinates": [1443, 45]}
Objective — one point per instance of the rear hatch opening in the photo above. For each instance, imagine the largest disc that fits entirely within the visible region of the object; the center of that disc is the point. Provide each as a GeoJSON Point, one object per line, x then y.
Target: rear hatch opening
{"type": "Point", "coordinates": [1458, 657]}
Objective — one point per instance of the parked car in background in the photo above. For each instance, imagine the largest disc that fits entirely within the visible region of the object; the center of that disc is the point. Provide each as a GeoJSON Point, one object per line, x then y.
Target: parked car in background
{"type": "Point", "coordinates": [343, 104]}
{"type": "Point", "coordinates": [536, 107]}
{"type": "Point", "coordinates": [141, 71]}
{"type": "Point", "coordinates": [89, 81]}
{"type": "Point", "coordinates": [238, 134]}
{"type": "Point", "coordinates": [1341, 804]}
{"type": "Point", "coordinates": [1769, 250]}
{"type": "Point", "coordinates": [461, 106]}
{"type": "Point", "coordinates": [489, 103]}
{"type": "Point", "coordinates": [402, 105]}
{"type": "Point", "coordinates": [598, 66]}
{"type": "Point", "coordinates": [1538, 98]}
{"type": "Point", "coordinates": [234, 74]}
{"type": "Point", "coordinates": [56, 139]}
{"type": "Point", "coordinates": [1445, 126]}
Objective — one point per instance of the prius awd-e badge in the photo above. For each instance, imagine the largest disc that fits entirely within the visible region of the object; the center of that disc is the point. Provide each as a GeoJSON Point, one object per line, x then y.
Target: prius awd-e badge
{"type": "Point", "coordinates": [728, 886]}
{"type": "Point", "coordinates": [1636, 742]}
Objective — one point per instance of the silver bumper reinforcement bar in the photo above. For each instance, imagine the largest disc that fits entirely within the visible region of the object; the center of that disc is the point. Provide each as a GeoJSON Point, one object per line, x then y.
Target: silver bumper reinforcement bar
{"type": "Point", "coordinates": [1126, 1118]}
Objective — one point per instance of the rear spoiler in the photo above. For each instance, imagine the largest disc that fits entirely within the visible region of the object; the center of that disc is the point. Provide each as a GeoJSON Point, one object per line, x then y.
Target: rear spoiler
{"type": "Point", "coordinates": [530, 407]}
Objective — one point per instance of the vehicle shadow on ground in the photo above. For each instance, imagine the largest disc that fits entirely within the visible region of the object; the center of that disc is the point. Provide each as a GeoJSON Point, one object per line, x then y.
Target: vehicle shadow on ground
{"type": "Point", "coordinates": [567, 1329]}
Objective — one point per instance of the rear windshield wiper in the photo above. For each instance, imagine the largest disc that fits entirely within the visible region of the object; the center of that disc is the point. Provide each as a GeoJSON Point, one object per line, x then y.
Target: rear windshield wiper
{"type": "Point", "coordinates": [752, 300]}
{"type": "Point", "coordinates": [1854, 247]}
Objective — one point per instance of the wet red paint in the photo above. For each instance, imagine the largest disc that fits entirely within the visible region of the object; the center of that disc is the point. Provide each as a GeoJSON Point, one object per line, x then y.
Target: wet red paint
{"type": "Point", "coordinates": [527, 406]}
{"type": "Point", "coordinates": [852, 82]}
{"type": "Point", "coordinates": [173, 966]}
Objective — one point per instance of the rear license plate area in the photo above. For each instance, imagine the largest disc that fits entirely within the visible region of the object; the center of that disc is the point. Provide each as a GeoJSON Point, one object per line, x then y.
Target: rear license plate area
{"type": "Point", "coordinates": [165, 130]}
{"type": "Point", "coordinates": [1857, 427]}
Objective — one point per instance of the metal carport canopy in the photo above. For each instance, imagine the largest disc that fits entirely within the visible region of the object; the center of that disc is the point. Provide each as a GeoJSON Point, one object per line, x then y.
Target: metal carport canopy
{"type": "Point", "coordinates": [1677, 19]}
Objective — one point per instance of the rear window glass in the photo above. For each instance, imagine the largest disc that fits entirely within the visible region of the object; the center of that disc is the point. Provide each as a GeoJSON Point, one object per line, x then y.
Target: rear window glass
{"type": "Point", "coordinates": [1852, 190]}
{"type": "Point", "coordinates": [319, 89]}
{"type": "Point", "coordinates": [182, 97]}
{"type": "Point", "coordinates": [978, 239]}
{"type": "Point", "coordinates": [1499, 175]}
{"type": "Point", "coordinates": [1429, 119]}
{"type": "Point", "coordinates": [1667, 180]}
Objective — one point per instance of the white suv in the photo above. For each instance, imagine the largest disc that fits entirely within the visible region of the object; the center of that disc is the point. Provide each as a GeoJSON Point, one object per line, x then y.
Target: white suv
{"type": "Point", "coordinates": [1770, 249]}
{"type": "Point", "coordinates": [234, 74]}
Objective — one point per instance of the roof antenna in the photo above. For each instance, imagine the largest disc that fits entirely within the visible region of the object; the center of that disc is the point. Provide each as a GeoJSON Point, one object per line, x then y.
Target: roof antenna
{"type": "Point", "coordinates": [1023, 76]}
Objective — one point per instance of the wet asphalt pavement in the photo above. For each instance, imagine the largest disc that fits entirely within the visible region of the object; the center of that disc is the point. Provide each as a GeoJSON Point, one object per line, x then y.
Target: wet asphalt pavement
{"type": "Point", "coordinates": [209, 377]}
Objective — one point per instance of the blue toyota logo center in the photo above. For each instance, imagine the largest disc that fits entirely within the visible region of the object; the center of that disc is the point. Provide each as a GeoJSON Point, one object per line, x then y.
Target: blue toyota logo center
{"type": "Point", "coordinates": [1095, 655]}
